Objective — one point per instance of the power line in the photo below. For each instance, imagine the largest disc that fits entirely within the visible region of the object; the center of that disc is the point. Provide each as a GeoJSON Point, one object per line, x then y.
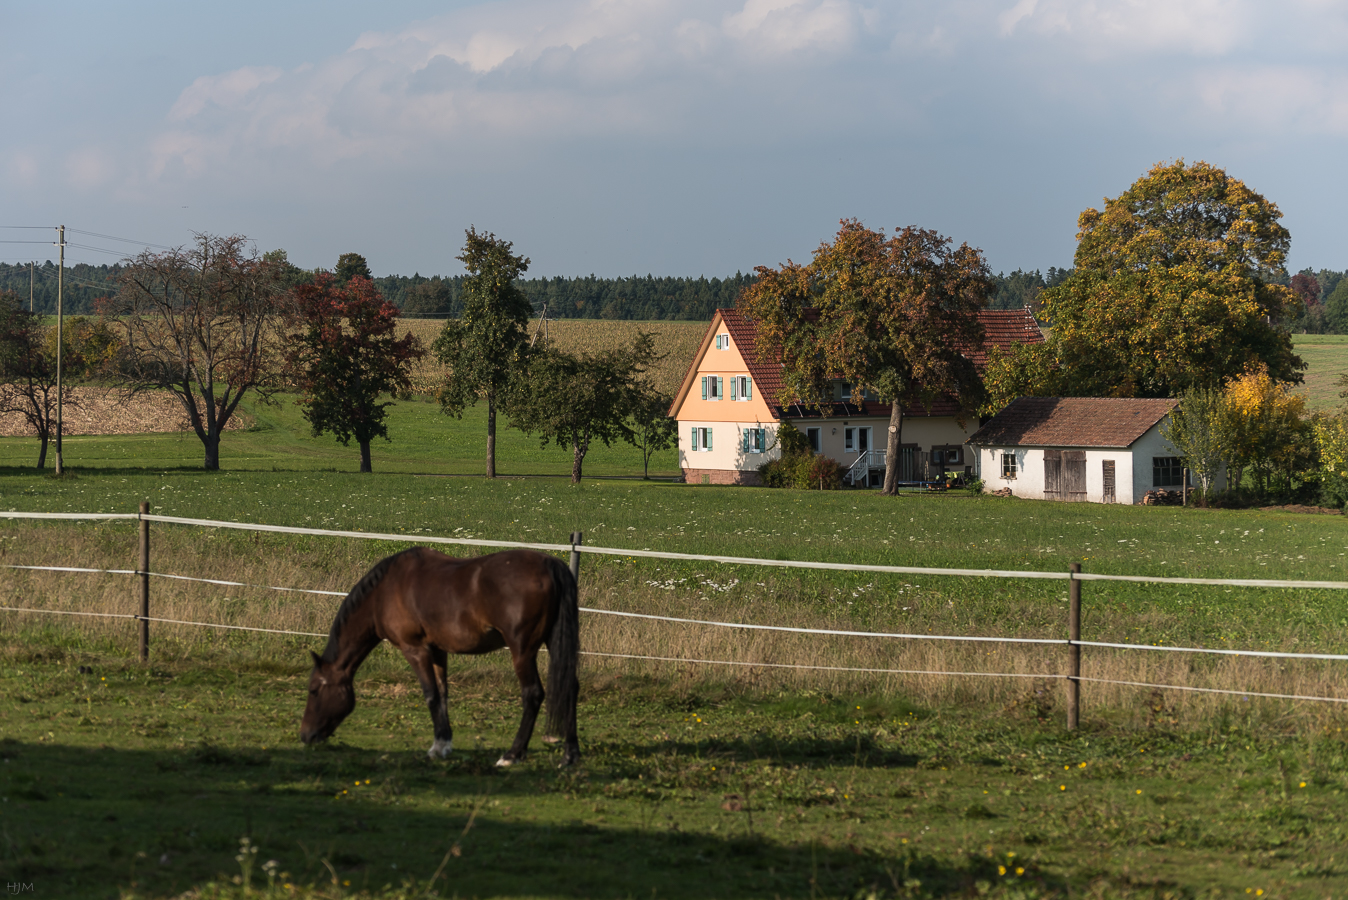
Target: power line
{"type": "Point", "coordinates": [113, 237]}
{"type": "Point", "coordinates": [121, 253]}
{"type": "Point", "coordinates": [30, 227]}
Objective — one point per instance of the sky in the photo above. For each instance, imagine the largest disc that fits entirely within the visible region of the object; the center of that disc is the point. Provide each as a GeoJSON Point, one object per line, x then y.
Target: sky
{"type": "Point", "coordinates": [621, 137]}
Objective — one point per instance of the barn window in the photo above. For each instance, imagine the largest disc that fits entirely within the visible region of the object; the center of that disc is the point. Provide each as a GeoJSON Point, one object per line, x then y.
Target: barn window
{"type": "Point", "coordinates": [1166, 471]}
{"type": "Point", "coordinates": [1008, 466]}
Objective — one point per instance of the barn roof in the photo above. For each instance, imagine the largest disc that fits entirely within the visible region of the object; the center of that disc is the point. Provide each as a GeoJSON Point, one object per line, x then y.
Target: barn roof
{"type": "Point", "coordinates": [1072, 422]}
{"type": "Point", "coordinates": [1002, 327]}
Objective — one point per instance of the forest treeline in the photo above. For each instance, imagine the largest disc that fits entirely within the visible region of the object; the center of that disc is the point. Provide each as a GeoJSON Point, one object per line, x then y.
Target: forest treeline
{"type": "Point", "coordinates": [1324, 293]}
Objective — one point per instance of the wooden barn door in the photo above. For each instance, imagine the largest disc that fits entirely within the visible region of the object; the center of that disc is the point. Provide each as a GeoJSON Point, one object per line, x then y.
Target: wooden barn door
{"type": "Point", "coordinates": [1108, 470]}
{"type": "Point", "coordinates": [1052, 474]}
{"type": "Point", "coordinates": [1074, 476]}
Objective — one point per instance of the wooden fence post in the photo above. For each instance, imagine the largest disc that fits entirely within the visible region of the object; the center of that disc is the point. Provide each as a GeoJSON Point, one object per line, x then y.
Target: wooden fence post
{"type": "Point", "coordinates": [1074, 650]}
{"type": "Point", "coordinates": [144, 581]}
{"type": "Point", "coordinates": [576, 540]}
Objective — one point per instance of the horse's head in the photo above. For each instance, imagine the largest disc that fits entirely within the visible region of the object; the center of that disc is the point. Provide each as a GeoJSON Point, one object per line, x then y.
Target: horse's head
{"type": "Point", "coordinates": [332, 696]}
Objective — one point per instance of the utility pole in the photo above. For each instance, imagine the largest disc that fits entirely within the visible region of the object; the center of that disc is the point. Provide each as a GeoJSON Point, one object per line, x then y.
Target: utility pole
{"type": "Point", "coordinates": [60, 340]}
{"type": "Point", "coordinates": [30, 285]}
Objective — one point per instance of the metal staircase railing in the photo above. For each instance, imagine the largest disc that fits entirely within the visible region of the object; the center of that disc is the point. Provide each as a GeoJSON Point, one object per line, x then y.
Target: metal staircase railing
{"type": "Point", "coordinates": [869, 459]}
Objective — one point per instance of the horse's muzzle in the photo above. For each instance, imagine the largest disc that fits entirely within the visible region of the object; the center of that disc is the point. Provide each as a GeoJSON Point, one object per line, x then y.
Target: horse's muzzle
{"type": "Point", "coordinates": [312, 737]}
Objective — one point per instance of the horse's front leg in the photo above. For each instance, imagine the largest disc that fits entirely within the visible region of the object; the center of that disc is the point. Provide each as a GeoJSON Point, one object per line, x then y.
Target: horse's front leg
{"type": "Point", "coordinates": [429, 665]}
{"type": "Point", "coordinates": [531, 697]}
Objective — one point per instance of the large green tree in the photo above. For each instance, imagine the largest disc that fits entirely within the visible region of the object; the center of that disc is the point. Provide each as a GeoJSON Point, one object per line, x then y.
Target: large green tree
{"type": "Point", "coordinates": [347, 357]}
{"type": "Point", "coordinates": [895, 317]}
{"type": "Point", "coordinates": [1173, 288]}
{"type": "Point", "coordinates": [486, 348]}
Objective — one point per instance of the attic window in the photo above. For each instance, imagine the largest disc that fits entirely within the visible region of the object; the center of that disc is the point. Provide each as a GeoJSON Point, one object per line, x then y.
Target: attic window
{"type": "Point", "coordinates": [723, 342]}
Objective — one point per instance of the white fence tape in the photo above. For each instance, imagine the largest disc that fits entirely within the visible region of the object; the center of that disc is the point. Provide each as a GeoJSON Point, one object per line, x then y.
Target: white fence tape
{"type": "Point", "coordinates": [726, 560]}
{"type": "Point", "coordinates": [1199, 690]}
{"type": "Point", "coordinates": [760, 665]}
{"type": "Point", "coordinates": [871, 634]}
{"type": "Point", "coordinates": [1269, 654]}
{"type": "Point", "coordinates": [693, 557]}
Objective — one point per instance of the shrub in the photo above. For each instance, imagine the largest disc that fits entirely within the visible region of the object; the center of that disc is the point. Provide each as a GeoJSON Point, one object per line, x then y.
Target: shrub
{"type": "Point", "coordinates": [799, 467]}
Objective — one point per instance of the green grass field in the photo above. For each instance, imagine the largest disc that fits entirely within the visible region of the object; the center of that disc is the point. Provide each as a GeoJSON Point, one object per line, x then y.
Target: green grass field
{"type": "Point", "coordinates": [139, 781]}
{"type": "Point", "coordinates": [422, 440]}
{"type": "Point", "coordinates": [1326, 357]}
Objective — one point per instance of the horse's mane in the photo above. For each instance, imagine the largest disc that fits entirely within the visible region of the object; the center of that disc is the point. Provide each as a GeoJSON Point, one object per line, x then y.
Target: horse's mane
{"type": "Point", "coordinates": [355, 598]}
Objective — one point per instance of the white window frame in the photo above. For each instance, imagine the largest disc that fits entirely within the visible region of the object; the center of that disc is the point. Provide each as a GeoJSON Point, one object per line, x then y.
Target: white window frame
{"type": "Point", "coordinates": [1010, 465]}
{"type": "Point", "coordinates": [815, 438]}
{"type": "Point", "coordinates": [754, 440]}
{"type": "Point", "coordinates": [723, 342]}
{"type": "Point", "coordinates": [849, 440]}
{"type": "Point", "coordinates": [701, 439]}
{"type": "Point", "coordinates": [713, 387]}
{"type": "Point", "coordinates": [741, 387]}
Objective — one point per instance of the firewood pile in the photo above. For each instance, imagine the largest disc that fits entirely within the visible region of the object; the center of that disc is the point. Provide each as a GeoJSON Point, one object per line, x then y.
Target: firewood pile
{"type": "Point", "coordinates": [1004, 492]}
{"type": "Point", "coordinates": [1162, 497]}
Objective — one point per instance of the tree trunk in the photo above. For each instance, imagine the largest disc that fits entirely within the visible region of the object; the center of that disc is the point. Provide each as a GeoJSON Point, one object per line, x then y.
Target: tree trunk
{"type": "Point", "coordinates": [212, 442]}
{"type": "Point", "coordinates": [893, 436]}
{"type": "Point", "coordinates": [42, 452]}
{"type": "Point", "coordinates": [491, 435]}
{"type": "Point", "coordinates": [365, 456]}
{"type": "Point", "coordinates": [578, 460]}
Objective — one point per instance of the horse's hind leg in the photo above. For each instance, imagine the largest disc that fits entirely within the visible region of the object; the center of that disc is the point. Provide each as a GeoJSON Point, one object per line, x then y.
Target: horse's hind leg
{"type": "Point", "coordinates": [531, 697]}
{"type": "Point", "coordinates": [429, 665]}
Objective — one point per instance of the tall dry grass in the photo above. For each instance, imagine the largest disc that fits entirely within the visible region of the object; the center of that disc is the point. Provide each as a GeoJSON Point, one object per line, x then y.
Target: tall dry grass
{"type": "Point", "coordinates": [757, 656]}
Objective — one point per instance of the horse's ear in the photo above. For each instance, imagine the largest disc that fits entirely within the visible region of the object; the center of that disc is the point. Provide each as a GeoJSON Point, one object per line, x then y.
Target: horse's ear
{"type": "Point", "coordinates": [318, 660]}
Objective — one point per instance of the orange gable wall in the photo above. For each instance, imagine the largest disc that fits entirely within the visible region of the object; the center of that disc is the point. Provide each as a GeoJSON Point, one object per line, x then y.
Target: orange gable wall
{"type": "Point", "coordinates": [725, 363]}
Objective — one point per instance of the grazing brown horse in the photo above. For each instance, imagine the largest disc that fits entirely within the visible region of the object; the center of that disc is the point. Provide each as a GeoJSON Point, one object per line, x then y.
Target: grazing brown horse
{"type": "Point", "coordinates": [429, 605]}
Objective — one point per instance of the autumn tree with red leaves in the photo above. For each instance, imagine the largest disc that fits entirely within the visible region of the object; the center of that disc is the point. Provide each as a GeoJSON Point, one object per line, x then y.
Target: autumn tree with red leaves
{"type": "Point", "coordinates": [347, 357]}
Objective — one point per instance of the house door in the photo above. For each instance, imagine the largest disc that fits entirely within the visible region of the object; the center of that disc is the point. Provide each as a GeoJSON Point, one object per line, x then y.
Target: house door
{"type": "Point", "coordinates": [863, 440]}
{"type": "Point", "coordinates": [1052, 474]}
{"type": "Point", "coordinates": [1074, 476]}
{"type": "Point", "coordinates": [1107, 467]}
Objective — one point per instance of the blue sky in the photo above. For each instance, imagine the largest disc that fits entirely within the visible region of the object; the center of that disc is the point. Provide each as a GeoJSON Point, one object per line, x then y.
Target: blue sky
{"type": "Point", "coordinates": [673, 138]}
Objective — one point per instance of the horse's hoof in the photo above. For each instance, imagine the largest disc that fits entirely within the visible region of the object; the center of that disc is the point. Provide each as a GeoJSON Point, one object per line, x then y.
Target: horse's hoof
{"type": "Point", "coordinates": [504, 762]}
{"type": "Point", "coordinates": [440, 749]}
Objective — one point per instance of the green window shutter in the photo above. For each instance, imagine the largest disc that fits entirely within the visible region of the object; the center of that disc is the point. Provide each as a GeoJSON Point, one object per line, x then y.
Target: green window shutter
{"type": "Point", "coordinates": [692, 445]}
{"type": "Point", "coordinates": [708, 438]}
{"type": "Point", "coordinates": [720, 387]}
{"type": "Point", "coordinates": [704, 388]}
{"type": "Point", "coordinates": [748, 388]}
{"type": "Point", "coordinates": [745, 448]}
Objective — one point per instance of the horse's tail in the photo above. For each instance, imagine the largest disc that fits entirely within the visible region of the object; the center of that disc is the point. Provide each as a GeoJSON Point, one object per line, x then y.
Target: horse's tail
{"type": "Point", "coordinates": [563, 655]}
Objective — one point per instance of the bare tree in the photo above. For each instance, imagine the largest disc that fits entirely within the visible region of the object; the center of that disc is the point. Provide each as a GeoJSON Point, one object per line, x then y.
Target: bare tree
{"type": "Point", "coordinates": [27, 371]}
{"type": "Point", "coordinates": [205, 323]}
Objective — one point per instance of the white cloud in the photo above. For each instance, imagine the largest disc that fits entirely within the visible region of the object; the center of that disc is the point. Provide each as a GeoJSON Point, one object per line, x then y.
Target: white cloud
{"type": "Point", "coordinates": [526, 73]}
{"type": "Point", "coordinates": [223, 91]}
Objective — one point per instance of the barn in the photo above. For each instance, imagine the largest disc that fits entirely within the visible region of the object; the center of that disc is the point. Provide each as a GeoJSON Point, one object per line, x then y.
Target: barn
{"type": "Point", "coordinates": [1091, 449]}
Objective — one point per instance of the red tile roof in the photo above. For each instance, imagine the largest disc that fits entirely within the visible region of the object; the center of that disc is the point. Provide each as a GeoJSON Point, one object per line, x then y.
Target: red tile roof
{"type": "Point", "coordinates": [1003, 327]}
{"type": "Point", "coordinates": [1072, 422]}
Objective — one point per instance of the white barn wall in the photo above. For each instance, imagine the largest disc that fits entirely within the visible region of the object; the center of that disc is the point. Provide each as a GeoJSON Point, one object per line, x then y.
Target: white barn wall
{"type": "Point", "coordinates": [1132, 468]}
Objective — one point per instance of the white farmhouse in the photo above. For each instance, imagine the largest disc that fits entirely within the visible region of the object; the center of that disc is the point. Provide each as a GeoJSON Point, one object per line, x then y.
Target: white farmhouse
{"type": "Point", "coordinates": [729, 406]}
{"type": "Point", "coordinates": [1093, 449]}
